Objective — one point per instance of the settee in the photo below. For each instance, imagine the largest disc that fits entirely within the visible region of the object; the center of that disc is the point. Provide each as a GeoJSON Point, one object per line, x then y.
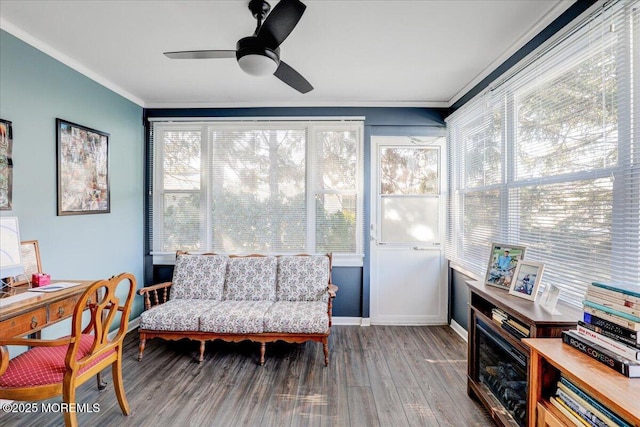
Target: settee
{"type": "Point", "coordinates": [237, 298]}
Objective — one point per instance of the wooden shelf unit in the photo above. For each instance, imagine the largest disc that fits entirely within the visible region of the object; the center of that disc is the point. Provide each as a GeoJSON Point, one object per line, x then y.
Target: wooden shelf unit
{"type": "Point", "coordinates": [540, 323]}
{"type": "Point", "coordinates": [550, 358]}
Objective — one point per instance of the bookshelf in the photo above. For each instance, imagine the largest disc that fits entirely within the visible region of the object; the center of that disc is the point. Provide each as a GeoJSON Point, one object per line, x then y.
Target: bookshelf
{"type": "Point", "coordinates": [550, 357]}
{"type": "Point", "coordinates": [493, 348]}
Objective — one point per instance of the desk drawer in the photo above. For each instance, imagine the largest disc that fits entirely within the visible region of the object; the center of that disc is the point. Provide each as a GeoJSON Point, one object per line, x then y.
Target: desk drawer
{"type": "Point", "coordinates": [62, 309]}
{"type": "Point", "coordinates": [24, 324]}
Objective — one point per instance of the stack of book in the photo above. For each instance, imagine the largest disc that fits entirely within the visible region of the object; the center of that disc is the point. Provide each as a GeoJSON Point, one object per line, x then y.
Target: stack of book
{"type": "Point", "coordinates": [581, 408]}
{"type": "Point", "coordinates": [510, 324]}
{"type": "Point", "coordinates": [609, 329]}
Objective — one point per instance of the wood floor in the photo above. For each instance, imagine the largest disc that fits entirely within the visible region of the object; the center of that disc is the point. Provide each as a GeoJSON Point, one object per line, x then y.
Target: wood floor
{"type": "Point", "coordinates": [384, 376]}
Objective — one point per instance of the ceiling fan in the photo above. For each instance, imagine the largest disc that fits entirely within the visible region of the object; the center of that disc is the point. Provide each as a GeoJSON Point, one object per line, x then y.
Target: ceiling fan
{"type": "Point", "coordinates": [259, 54]}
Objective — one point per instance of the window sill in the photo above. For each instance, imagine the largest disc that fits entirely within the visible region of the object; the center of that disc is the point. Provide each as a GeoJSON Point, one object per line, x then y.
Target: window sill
{"type": "Point", "coordinates": [338, 260]}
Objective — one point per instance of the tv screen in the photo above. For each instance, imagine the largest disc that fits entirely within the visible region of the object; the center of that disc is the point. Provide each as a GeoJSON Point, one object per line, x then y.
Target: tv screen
{"type": "Point", "coordinates": [10, 258]}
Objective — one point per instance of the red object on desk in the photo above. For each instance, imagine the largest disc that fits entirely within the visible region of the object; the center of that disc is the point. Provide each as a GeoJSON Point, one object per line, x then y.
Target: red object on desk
{"type": "Point", "coordinates": [40, 279]}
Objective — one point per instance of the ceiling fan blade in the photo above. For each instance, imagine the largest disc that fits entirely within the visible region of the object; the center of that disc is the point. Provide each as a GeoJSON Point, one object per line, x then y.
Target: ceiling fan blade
{"type": "Point", "coordinates": [291, 77]}
{"type": "Point", "coordinates": [201, 54]}
{"type": "Point", "coordinates": [280, 22]}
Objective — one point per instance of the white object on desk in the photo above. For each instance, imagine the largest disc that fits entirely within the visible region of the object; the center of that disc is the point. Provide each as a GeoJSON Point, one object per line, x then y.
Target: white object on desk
{"type": "Point", "coordinates": [55, 287]}
{"type": "Point", "coordinates": [15, 298]}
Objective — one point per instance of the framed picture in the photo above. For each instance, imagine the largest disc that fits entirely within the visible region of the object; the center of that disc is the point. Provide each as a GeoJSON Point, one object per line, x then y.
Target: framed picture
{"type": "Point", "coordinates": [526, 279]}
{"type": "Point", "coordinates": [6, 165]}
{"type": "Point", "coordinates": [83, 169]}
{"type": "Point", "coordinates": [30, 254]}
{"type": "Point", "coordinates": [502, 263]}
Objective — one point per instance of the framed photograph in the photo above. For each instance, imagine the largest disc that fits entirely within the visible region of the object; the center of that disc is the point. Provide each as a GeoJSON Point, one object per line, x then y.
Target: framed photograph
{"type": "Point", "coordinates": [502, 264]}
{"type": "Point", "coordinates": [83, 169]}
{"type": "Point", "coordinates": [526, 279]}
{"type": "Point", "coordinates": [6, 165]}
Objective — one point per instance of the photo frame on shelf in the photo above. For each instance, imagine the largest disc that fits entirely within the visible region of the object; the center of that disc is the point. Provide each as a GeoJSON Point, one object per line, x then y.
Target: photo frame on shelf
{"type": "Point", "coordinates": [503, 260]}
{"type": "Point", "coordinates": [83, 169]}
{"type": "Point", "coordinates": [549, 299]}
{"type": "Point", "coordinates": [526, 279]}
{"type": "Point", "coordinates": [6, 165]}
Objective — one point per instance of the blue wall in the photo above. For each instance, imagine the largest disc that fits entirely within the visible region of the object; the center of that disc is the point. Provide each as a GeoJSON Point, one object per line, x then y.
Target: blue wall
{"type": "Point", "coordinates": [34, 90]}
{"type": "Point", "coordinates": [353, 296]}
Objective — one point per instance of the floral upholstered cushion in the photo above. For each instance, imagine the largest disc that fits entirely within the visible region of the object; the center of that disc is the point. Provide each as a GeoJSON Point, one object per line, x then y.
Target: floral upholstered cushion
{"type": "Point", "coordinates": [199, 277]}
{"type": "Point", "coordinates": [235, 317]}
{"type": "Point", "coordinates": [307, 317]}
{"type": "Point", "coordinates": [302, 278]}
{"type": "Point", "coordinates": [251, 279]}
{"type": "Point", "coordinates": [175, 315]}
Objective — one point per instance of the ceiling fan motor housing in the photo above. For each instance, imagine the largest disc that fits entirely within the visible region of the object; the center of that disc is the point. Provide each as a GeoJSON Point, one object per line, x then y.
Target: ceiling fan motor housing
{"type": "Point", "coordinates": [255, 58]}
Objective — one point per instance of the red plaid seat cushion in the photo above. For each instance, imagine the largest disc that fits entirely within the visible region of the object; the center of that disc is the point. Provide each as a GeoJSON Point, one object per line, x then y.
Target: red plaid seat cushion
{"type": "Point", "coordinates": [42, 365]}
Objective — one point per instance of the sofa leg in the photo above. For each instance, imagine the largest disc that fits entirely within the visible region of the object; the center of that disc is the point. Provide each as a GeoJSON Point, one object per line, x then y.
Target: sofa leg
{"type": "Point", "coordinates": [325, 347]}
{"type": "Point", "coordinates": [201, 358]}
{"type": "Point", "coordinates": [263, 347]}
{"type": "Point", "coordinates": [142, 343]}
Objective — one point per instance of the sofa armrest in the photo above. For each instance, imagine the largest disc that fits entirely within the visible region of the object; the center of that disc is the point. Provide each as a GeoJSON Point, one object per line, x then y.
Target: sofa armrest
{"type": "Point", "coordinates": [155, 295]}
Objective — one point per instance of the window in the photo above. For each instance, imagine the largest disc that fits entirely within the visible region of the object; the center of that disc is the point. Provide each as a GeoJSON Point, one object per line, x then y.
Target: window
{"type": "Point", "coordinates": [267, 187]}
{"type": "Point", "coordinates": [548, 158]}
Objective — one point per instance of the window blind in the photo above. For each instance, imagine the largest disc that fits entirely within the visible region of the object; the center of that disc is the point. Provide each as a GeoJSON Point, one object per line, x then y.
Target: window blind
{"type": "Point", "coordinates": [548, 159]}
{"type": "Point", "coordinates": [251, 186]}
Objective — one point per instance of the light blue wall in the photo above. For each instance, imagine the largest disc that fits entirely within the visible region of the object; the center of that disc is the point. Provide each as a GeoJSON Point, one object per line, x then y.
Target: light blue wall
{"type": "Point", "coordinates": [35, 89]}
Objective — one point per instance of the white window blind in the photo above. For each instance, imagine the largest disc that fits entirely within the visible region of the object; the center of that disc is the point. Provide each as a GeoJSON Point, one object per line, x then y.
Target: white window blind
{"type": "Point", "coordinates": [548, 159]}
{"type": "Point", "coordinates": [268, 187]}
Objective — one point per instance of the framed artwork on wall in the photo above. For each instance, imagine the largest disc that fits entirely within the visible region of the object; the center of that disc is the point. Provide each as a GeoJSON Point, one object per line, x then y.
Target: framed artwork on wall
{"type": "Point", "coordinates": [526, 279]}
{"type": "Point", "coordinates": [503, 260]}
{"type": "Point", "coordinates": [83, 169]}
{"type": "Point", "coordinates": [6, 165]}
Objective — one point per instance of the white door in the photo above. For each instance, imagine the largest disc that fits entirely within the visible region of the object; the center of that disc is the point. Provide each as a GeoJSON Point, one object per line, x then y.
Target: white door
{"type": "Point", "coordinates": [408, 277]}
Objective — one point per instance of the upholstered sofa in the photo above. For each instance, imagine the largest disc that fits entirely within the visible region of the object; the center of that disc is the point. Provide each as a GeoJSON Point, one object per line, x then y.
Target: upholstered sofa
{"type": "Point", "coordinates": [236, 298]}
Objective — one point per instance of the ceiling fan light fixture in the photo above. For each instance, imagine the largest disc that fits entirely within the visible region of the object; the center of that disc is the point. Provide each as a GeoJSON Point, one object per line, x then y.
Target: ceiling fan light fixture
{"type": "Point", "coordinates": [255, 59]}
{"type": "Point", "coordinates": [256, 64]}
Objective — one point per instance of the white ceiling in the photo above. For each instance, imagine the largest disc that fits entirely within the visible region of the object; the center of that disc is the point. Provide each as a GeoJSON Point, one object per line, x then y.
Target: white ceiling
{"type": "Point", "coordinates": [424, 53]}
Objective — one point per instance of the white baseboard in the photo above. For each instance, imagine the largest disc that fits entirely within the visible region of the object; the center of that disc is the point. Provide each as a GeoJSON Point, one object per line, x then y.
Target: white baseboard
{"type": "Point", "coordinates": [341, 320]}
{"type": "Point", "coordinates": [366, 321]}
{"type": "Point", "coordinates": [459, 330]}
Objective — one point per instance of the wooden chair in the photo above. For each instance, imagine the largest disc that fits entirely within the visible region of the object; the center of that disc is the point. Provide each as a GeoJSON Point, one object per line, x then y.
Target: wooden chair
{"type": "Point", "coordinates": [57, 367]}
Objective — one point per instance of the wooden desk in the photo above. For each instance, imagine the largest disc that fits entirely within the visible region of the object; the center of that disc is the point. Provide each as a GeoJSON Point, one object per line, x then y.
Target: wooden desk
{"type": "Point", "coordinates": [42, 309]}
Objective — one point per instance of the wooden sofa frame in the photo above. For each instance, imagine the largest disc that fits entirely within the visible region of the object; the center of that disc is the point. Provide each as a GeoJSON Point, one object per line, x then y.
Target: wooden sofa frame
{"type": "Point", "coordinates": [159, 294]}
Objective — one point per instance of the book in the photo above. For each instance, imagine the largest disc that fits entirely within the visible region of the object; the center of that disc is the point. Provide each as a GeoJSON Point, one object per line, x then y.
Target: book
{"type": "Point", "coordinates": [572, 416]}
{"type": "Point", "coordinates": [629, 309]}
{"type": "Point", "coordinates": [627, 291]}
{"type": "Point", "coordinates": [597, 405]}
{"type": "Point", "coordinates": [628, 368]}
{"type": "Point", "coordinates": [517, 333]}
{"type": "Point", "coordinates": [614, 297]}
{"type": "Point", "coordinates": [614, 336]}
{"type": "Point", "coordinates": [610, 310]}
{"type": "Point", "coordinates": [634, 326]}
{"type": "Point", "coordinates": [580, 411]}
{"type": "Point", "coordinates": [519, 326]}
{"type": "Point", "coordinates": [585, 409]}
{"type": "Point", "coordinates": [610, 344]}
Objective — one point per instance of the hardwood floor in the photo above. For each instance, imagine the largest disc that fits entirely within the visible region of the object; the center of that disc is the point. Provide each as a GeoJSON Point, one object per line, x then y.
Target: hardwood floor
{"type": "Point", "coordinates": [377, 376]}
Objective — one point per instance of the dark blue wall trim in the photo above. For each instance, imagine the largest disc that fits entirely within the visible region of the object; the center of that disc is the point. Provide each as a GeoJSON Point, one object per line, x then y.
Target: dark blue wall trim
{"type": "Point", "coordinates": [559, 23]}
{"type": "Point", "coordinates": [374, 116]}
